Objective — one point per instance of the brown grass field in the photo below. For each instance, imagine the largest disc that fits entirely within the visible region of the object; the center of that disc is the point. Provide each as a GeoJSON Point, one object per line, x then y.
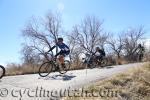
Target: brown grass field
{"type": "Point", "coordinates": [131, 85]}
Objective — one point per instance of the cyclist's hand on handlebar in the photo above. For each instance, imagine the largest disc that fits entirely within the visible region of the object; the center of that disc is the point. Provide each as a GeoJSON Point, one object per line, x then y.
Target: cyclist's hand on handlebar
{"type": "Point", "coordinates": [92, 53]}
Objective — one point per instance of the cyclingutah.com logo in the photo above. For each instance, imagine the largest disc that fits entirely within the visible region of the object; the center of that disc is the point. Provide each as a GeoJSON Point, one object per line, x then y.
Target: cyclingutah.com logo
{"type": "Point", "coordinates": [40, 92]}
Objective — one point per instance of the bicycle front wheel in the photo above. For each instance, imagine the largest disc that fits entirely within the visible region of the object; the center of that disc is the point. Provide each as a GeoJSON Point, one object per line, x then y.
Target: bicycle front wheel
{"type": "Point", "coordinates": [45, 69]}
{"type": "Point", "coordinates": [104, 62]}
{"type": "Point", "coordinates": [65, 68]}
{"type": "Point", "coordinates": [2, 71]}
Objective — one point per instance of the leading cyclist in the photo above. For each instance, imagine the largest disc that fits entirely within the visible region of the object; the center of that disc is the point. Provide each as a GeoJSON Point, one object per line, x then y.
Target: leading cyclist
{"type": "Point", "coordinates": [64, 50]}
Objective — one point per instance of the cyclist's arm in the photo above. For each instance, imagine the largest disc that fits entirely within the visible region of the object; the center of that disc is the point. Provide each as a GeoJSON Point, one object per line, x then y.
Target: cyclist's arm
{"type": "Point", "coordinates": [51, 48]}
{"type": "Point", "coordinates": [65, 47]}
{"type": "Point", "coordinates": [91, 53]}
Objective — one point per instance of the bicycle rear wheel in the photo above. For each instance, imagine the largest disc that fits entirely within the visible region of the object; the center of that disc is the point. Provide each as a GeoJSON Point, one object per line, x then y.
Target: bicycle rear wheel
{"type": "Point", "coordinates": [64, 69]}
{"type": "Point", "coordinates": [2, 71]}
{"type": "Point", "coordinates": [45, 69]}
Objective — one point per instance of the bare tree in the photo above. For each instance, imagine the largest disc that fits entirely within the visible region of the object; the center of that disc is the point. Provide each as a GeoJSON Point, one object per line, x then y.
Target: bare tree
{"type": "Point", "coordinates": [40, 33]}
{"type": "Point", "coordinates": [28, 55]}
{"type": "Point", "coordinates": [132, 38]}
{"type": "Point", "coordinates": [116, 45]}
{"type": "Point", "coordinates": [75, 49]}
{"type": "Point", "coordinates": [90, 34]}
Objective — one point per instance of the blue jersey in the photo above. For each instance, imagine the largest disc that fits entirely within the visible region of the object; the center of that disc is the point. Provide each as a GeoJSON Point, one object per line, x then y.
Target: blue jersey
{"type": "Point", "coordinates": [63, 47]}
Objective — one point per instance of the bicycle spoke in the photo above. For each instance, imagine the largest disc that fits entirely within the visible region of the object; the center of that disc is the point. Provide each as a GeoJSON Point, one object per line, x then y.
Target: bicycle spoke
{"type": "Point", "coordinates": [45, 69]}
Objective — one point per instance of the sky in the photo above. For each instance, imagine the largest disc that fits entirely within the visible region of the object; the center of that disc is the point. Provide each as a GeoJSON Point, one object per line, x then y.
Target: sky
{"type": "Point", "coordinates": [118, 15]}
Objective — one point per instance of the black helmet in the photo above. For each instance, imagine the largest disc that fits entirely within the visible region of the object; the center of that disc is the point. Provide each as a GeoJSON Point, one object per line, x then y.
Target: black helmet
{"type": "Point", "coordinates": [97, 48]}
{"type": "Point", "coordinates": [60, 39]}
{"type": "Point", "coordinates": [139, 45]}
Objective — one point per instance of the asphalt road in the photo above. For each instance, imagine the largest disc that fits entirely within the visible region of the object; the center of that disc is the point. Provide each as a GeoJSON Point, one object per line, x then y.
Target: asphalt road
{"type": "Point", "coordinates": [34, 87]}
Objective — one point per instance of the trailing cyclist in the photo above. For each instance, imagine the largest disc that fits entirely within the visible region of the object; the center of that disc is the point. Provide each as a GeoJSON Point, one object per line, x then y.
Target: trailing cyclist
{"type": "Point", "coordinates": [96, 58]}
{"type": "Point", "coordinates": [99, 54]}
{"type": "Point", "coordinates": [141, 51]}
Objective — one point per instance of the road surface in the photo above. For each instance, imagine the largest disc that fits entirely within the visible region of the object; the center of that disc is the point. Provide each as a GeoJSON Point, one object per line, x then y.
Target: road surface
{"type": "Point", "coordinates": [34, 87]}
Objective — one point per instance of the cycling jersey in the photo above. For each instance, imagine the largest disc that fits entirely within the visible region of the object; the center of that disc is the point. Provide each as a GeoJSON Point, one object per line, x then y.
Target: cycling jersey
{"type": "Point", "coordinates": [100, 53]}
{"type": "Point", "coordinates": [63, 47]}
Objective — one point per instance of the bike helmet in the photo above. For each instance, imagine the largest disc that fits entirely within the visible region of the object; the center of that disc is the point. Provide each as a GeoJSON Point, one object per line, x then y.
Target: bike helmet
{"type": "Point", "coordinates": [60, 39]}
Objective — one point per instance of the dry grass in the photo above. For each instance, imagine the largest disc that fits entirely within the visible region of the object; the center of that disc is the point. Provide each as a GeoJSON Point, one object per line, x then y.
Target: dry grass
{"type": "Point", "coordinates": [121, 61]}
{"type": "Point", "coordinates": [132, 85]}
{"type": "Point", "coordinates": [14, 69]}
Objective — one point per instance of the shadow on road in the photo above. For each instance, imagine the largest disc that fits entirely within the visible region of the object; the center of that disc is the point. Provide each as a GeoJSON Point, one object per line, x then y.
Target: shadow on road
{"type": "Point", "coordinates": [106, 67]}
{"type": "Point", "coordinates": [65, 77]}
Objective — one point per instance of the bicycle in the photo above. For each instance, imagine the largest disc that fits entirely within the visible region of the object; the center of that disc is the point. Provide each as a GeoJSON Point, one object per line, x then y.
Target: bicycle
{"type": "Point", "coordinates": [2, 71]}
{"type": "Point", "coordinates": [101, 62]}
{"type": "Point", "coordinates": [52, 65]}
{"type": "Point", "coordinates": [91, 62]}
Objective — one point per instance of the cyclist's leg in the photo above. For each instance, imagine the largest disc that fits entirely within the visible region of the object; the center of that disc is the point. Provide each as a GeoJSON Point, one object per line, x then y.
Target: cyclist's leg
{"type": "Point", "coordinates": [61, 59]}
{"type": "Point", "coordinates": [101, 57]}
{"type": "Point", "coordinates": [140, 57]}
{"type": "Point", "coordinates": [62, 55]}
{"type": "Point", "coordinates": [96, 58]}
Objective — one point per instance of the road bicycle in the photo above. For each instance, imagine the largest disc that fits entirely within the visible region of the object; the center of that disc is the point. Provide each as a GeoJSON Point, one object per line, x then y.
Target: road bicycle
{"type": "Point", "coordinates": [52, 65]}
{"type": "Point", "coordinates": [2, 71]}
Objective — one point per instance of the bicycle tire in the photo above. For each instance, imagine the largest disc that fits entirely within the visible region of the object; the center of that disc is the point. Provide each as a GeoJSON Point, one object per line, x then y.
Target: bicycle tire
{"type": "Point", "coordinates": [67, 67]}
{"type": "Point", "coordinates": [45, 69]}
{"type": "Point", "coordinates": [104, 62]}
{"type": "Point", "coordinates": [2, 72]}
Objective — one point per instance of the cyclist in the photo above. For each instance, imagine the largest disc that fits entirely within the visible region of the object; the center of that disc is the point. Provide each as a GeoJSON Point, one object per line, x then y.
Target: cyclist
{"type": "Point", "coordinates": [141, 50]}
{"type": "Point", "coordinates": [99, 54]}
{"type": "Point", "coordinates": [64, 51]}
